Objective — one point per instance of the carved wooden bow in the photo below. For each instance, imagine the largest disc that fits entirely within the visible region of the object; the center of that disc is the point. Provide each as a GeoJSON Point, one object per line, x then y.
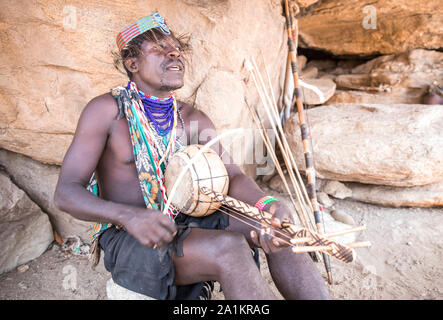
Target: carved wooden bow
{"type": "Point", "coordinates": [309, 162]}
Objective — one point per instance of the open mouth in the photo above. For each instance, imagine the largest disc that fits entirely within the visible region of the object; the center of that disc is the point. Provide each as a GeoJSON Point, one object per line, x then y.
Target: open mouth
{"type": "Point", "coordinates": [175, 67]}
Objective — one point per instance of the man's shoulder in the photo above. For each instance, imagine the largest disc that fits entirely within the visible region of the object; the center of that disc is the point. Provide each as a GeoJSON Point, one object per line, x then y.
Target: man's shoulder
{"type": "Point", "coordinates": [99, 113]}
{"type": "Point", "coordinates": [191, 113]}
{"type": "Point", "coordinates": [105, 100]}
{"type": "Point", "coordinates": [104, 104]}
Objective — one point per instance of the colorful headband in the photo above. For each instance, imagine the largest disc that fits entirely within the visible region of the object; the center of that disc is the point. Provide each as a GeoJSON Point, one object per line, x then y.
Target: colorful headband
{"type": "Point", "coordinates": [154, 20]}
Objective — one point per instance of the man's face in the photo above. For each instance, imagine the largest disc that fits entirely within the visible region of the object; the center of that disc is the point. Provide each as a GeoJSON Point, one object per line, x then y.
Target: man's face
{"type": "Point", "coordinates": [161, 66]}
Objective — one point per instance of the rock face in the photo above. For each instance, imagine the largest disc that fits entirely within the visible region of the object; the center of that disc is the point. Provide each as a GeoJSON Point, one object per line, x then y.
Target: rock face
{"type": "Point", "coordinates": [400, 78]}
{"type": "Point", "coordinates": [25, 231]}
{"type": "Point", "coordinates": [394, 145]}
{"type": "Point", "coordinates": [362, 27]}
{"type": "Point", "coordinates": [39, 180]}
{"type": "Point", "coordinates": [45, 84]}
{"type": "Point", "coordinates": [430, 195]}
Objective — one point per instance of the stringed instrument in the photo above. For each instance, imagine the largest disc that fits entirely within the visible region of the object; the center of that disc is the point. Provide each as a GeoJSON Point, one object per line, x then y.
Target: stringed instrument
{"type": "Point", "coordinates": [202, 190]}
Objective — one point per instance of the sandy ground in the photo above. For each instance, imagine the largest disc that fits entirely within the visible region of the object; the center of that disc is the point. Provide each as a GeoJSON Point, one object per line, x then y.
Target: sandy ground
{"type": "Point", "coordinates": [404, 262]}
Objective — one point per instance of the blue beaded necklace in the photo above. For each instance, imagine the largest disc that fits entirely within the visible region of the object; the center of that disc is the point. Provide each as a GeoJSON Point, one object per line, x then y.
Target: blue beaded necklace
{"type": "Point", "coordinates": [159, 111]}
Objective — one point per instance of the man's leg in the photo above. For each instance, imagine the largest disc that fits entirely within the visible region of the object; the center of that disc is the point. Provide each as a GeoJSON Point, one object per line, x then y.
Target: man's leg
{"type": "Point", "coordinates": [223, 256]}
{"type": "Point", "coordinates": [295, 275]}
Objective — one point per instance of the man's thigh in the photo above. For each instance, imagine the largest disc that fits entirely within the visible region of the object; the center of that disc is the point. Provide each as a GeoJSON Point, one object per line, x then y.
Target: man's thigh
{"type": "Point", "coordinates": [204, 251]}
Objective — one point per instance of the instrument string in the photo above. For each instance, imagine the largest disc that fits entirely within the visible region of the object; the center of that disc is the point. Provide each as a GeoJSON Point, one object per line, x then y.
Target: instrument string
{"type": "Point", "coordinates": [236, 215]}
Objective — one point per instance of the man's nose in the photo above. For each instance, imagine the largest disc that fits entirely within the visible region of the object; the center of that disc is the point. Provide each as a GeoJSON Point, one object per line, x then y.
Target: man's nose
{"type": "Point", "coordinates": [173, 52]}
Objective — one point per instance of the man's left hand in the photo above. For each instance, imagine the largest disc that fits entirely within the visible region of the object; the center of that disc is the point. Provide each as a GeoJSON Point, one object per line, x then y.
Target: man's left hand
{"type": "Point", "coordinates": [267, 238]}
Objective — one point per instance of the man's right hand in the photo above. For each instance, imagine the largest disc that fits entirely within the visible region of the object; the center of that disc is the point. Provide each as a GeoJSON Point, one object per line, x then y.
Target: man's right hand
{"type": "Point", "coordinates": [151, 227]}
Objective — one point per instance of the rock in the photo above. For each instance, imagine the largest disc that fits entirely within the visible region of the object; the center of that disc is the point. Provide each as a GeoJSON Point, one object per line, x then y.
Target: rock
{"type": "Point", "coordinates": [430, 195]}
{"type": "Point", "coordinates": [336, 189]}
{"type": "Point", "coordinates": [361, 27]}
{"type": "Point", "coordinates": [117, 292]}
{"type": "Point", "coordinates": [394, 145]}
{"type": "Point", "coordinates": [276, 184]}
{"type": "Point", "coordinates": [332, 225]}
{"type": "Point", "coordinates": [323, 65]}
{"type": "Point", "coordinates": [309, 73]}
{"type": "Point", "coordinates": [399, 78]}
{"type": "Point", "coordinates": [22, 268]}
{"type": "Point", "coordinates": [317, 91]}
{"type": "Point", "coordinates": [39, 180]}
{"type": "Point", "coordinates": [45, 84]}
{"type": "Point", "coordinates": [25, 231]}
{"type": "Point", "coordinates": [22, 285]}
{"type": "Point", "coordinates": [268, 177]}
{"type": "Point", "coordinates": [305, 3]}
{"type": "Point", "coordinates": [342, 217]}
{"type": "Point", "coordinates": [301, 62]}
{"type": "Point", "coordinates": [396, 95]}
{"type": "Point", "coordinates": [324, 199]}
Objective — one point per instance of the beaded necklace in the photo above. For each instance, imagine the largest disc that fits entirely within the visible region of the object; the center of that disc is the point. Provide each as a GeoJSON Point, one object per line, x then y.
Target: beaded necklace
{"type": "Point", "coordinates": [159, 111]}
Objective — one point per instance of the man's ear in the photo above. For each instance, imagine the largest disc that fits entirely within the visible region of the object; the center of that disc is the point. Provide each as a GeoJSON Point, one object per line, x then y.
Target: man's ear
{"type": "Point", "coordinates": [131, 64]}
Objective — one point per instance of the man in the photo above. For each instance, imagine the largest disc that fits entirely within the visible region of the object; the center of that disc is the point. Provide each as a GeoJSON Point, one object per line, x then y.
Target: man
{"type": "Point", "coordinates": [145, 250]}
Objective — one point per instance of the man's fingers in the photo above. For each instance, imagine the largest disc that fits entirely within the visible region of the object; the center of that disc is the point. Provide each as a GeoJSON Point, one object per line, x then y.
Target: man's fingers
{"type": "Point", "coordinates": [275, 222]}
{"type": "Point", "coordinates": [254, 238]}
{"type": "Point", "coordinates": [162, 234]}
{"type": "Point", "coordinates": [275, 242]}
{"type": "Point", "coordinates": [169, 225]}
{"type": "Point", "coordinates": [265, 238]}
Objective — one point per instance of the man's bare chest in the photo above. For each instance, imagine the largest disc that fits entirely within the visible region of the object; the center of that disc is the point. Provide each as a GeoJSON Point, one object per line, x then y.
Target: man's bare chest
{"type": "Point", "coordinates": [119, 145]}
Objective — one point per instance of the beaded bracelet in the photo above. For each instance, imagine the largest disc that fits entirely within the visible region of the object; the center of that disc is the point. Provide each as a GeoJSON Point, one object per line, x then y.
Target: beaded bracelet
{"type": "Point", "coordinates": [261, 204]}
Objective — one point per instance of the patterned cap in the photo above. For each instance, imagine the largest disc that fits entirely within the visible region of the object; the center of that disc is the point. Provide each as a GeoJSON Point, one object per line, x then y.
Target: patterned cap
{"type": "Point", "coordinates": [154, 20]}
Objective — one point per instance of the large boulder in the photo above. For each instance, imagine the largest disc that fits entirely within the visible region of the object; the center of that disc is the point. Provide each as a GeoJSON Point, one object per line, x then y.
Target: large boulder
{"type": "Point", "coordinates": [60, 56]}
{"type": "Point", "coordinates": [39, 180]}
{"type": "Point", "coordinates": [317, 91]}
{"type": "Point", "coordinates": [363, 27]}
{"type": "Point", "coordinates": [25, 231]}
{"type": "Point", "coordinates": [394, 145]}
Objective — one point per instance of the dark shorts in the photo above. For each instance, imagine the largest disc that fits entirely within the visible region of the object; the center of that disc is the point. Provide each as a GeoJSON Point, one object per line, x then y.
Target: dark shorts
{"type": "Point", "coordinates": [151, 271]}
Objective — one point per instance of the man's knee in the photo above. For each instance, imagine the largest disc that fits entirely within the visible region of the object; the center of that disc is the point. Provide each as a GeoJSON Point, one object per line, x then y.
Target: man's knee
{"type": "Point", "coordinates": [230, 247]}
{"type": "Point", "coordinates": [233, 242]}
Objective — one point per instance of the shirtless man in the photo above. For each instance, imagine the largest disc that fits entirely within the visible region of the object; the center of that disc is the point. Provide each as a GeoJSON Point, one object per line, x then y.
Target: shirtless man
{"type": "Point", "coordinates": [102, 144]}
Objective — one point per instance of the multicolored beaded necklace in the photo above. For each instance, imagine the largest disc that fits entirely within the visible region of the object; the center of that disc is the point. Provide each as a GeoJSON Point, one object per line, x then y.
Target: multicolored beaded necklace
{"type": "Point", "coordinates": [159, 111]}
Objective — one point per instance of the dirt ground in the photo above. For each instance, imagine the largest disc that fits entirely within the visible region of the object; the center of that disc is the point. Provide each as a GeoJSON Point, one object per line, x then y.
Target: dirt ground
{"type": "Point", "coordinates": [404, 262]}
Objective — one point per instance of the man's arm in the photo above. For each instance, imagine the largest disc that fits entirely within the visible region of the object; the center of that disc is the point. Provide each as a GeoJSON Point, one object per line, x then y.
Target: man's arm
{"type": "Point", "coordinates": [80, 161]}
